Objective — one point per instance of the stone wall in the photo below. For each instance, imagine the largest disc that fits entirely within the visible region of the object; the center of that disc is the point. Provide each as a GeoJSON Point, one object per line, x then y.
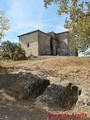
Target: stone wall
{"type": "Point", "coordinates": [44, 44]}
{"type": "Point", "coordinates": [63, 45]}
{"type": "Point", "coordinates": [54, 44]}
{"type": "Point", "coordinates": [29, 43]}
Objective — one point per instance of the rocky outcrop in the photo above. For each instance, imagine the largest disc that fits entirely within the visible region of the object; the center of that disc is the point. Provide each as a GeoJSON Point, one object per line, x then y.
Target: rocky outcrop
{"type": "Point", "coordinates": [39, 90]}
{"type": "Point", "coordinates": [35, 86]}
{"type": "Point", "coordinates": [59, 96]}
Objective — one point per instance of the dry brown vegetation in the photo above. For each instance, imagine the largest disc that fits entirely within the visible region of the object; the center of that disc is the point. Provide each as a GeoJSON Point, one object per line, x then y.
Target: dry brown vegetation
{"type": "Point", "coordinates": [56, 64]}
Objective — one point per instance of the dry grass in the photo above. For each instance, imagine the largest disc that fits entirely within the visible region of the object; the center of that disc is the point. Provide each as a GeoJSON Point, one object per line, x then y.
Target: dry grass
{"type": "Point", "coordinates": [54, 64]}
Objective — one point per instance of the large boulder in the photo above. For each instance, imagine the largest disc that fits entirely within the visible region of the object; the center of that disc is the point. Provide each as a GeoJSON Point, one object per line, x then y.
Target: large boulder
{"type": "Point", "coordinates": [35, 86]}
{"type": "Point", "coordinates": [52, 96]}
{"type": "Point", "coordinates": [59, 96]}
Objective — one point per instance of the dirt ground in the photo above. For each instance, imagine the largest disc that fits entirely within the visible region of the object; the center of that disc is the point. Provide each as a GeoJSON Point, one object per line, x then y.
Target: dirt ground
{"type": "Point", "coordinates": [72, 69]}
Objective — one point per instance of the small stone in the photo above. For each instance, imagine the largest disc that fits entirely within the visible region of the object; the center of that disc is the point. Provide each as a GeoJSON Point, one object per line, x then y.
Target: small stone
{"type": "Point", "coordinates": [88, 104]}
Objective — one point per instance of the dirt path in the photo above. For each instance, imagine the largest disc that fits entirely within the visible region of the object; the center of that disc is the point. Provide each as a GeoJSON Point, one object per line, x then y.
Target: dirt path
{"type": "Point", "coordinates": [14, 111]}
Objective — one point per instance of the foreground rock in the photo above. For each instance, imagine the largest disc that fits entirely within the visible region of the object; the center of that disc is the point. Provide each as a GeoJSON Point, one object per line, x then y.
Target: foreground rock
{"type": "Point", "coordinates": [29, 86]}
{"type": "Point", "coordinates": [59, 96]}
{"type": "Point", "coordinates": [35, 86]}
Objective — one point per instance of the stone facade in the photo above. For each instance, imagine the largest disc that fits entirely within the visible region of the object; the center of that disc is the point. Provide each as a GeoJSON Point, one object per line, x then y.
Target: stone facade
{"type": "Point", "coordinates": [29, 42]}
{"type": "Point", "coordinates": [40, 43]}
{"type": "Point", "coordinates": [44, 44]}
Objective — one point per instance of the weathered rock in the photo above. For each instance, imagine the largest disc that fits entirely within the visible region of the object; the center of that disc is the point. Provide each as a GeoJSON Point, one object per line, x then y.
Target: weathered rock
{"type": "Point", "coordinates": [59, 96]}
{"type": "Point", "coordinates": [35, 86]}
{"type": "Point", "coordinates": [51, 96]}
{"type": "Point", "coordinates": [84, 99]}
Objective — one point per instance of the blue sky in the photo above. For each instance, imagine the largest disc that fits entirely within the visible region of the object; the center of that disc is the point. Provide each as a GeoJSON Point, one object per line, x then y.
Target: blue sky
{"type": "Point", "coordinates": [28, 15]}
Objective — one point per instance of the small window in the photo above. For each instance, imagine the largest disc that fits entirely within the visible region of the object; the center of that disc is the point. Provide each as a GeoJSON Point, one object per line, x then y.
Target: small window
{"type": "Point", "coordinates": [27, 44]}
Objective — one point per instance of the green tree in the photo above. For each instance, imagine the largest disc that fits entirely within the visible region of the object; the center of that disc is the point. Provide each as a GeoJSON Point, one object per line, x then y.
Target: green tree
{"type": "Point", "coordinates": [77, 21]}
{"type": "Point", "coordinates": [3, 23]}
{"type": "Point", "coordinates": [9, 50]}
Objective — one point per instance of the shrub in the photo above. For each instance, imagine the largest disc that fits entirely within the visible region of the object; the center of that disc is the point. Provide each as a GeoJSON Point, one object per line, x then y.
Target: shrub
{"type": "Point", "coordinates": [19, 54]}
{"type": "Point", "coordinates": [11, 51]}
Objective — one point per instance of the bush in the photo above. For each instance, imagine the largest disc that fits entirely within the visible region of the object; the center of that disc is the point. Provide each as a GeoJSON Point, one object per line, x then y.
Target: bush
{"type": "Point", "coordinates": [19, 54]}
{"type": "Point", "coordinates": [11, 51]}
{"type": "Point", "coordinates": [30, 56]}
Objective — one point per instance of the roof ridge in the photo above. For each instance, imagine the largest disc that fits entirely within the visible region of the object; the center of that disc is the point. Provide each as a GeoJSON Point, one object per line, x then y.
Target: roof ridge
{"type": "Point", "coordinates": [32, 32]}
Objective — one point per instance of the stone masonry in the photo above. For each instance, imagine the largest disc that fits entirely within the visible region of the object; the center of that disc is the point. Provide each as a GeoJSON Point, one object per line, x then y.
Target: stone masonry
{"type": "Point", "coordinates": [40, 43]}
